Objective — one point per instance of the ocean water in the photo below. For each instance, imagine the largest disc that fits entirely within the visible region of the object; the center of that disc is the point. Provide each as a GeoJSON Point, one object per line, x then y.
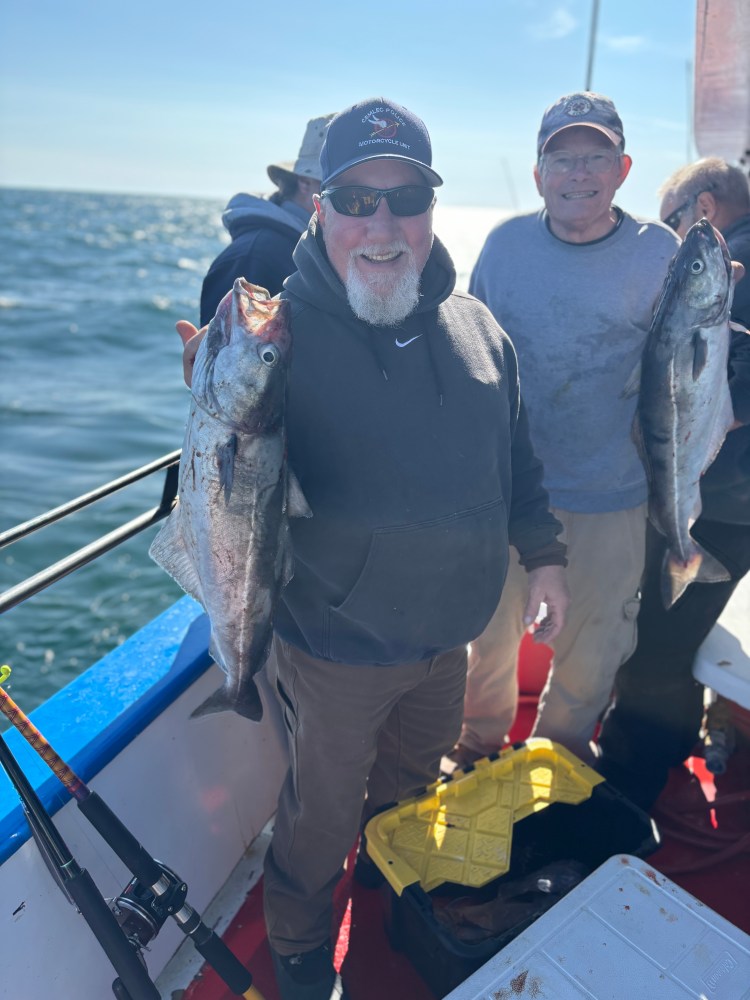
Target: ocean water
{"type": "Point", "coordinates": [91, 286]}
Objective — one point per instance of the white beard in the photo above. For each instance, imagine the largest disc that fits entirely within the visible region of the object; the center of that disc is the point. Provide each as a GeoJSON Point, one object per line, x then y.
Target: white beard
{"type": "Point", "coordinates": [383, 299]}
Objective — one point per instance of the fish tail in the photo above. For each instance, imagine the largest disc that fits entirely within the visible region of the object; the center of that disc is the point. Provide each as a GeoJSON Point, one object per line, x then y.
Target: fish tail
{"type": "Point", "coordinates": [245, 702]}
{"type": "Point", "coordinates": [677, 574]}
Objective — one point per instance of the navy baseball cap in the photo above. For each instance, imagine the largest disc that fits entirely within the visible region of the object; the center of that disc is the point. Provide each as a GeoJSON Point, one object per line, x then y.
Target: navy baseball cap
{"type": "Point", "coordinates": [583, 108]}
{"type": "Point", "coordinates": [376, 129]}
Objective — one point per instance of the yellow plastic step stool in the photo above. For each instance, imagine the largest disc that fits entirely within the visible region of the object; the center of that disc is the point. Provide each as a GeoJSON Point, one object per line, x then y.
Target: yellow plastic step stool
{"type": "Point", "coordinates": [461, 829]}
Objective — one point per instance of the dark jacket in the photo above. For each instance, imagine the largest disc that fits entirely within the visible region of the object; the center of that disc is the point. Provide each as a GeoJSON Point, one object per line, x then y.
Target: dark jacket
{"type": "Point", "coordinates": [725, 487]}
{"type": "Point", "coordinates": [416, 463]}
{"type": "Point", "coordinates": [264, 236]}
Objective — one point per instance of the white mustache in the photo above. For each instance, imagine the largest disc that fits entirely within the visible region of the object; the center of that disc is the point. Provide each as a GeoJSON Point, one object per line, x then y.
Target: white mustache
{"type": "Point", "coordinates": [374, 250]}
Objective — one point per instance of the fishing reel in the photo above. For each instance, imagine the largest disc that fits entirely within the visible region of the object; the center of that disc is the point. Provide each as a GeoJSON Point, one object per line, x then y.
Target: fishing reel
{"type": "Point", "coordinates": [142, 910]}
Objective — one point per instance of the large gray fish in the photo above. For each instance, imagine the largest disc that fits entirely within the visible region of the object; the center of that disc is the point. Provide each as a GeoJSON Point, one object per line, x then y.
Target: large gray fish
{"type": "Point", "coordinates": [227, 541]}
{"type": "Point", "coordinates": [684, 408]}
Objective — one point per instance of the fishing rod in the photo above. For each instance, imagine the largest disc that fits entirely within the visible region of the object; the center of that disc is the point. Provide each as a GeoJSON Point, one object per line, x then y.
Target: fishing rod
{"type": "Point", "coordinates": [155, 892]}
{"type": "Point", "coordinates": [133, 981]}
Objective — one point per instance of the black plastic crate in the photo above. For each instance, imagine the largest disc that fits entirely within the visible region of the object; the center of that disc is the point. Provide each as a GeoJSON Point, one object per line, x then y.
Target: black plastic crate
{"type": "Point", "coordinates": [583, 835]}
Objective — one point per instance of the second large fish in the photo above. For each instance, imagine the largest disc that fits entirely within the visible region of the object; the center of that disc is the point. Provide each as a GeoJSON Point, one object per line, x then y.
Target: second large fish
{"type": "Point", "coordinates": [684, 406]}
{"type": "Point", "coordinates": [227, 541]}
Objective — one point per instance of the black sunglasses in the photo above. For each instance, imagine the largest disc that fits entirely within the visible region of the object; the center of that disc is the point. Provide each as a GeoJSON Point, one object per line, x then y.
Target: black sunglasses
{"type": "Point", "coordinates": [674, 219]}
{"type": "Point", "coordinates": [355, 199]}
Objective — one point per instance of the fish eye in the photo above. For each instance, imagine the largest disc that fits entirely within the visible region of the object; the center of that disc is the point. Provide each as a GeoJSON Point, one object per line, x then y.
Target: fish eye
{"type": "Point", "coordinates": [697, 266]}
{"type": "Point", "coordinates": [269, 355]}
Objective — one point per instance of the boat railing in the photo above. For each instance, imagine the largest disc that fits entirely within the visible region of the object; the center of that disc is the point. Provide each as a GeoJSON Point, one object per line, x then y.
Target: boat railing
{"type": "Point", "coordinates": [43, 579]}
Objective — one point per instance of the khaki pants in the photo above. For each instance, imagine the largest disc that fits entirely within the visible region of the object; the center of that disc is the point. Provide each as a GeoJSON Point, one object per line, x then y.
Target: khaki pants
{"type": "Point", "coordinates": [353, 732]}
{"type": "Point", "coordinates": [606, 555]}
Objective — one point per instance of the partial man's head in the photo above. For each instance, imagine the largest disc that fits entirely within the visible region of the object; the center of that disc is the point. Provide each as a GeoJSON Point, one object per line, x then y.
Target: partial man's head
{"type": "Point", "coordinates": [298, 180]}
{"type": "Point", "coordinates": [375, 207]}
{"type": "Point", "coordinates": [707, 189]}
{"type": "Point", "coordinates": [581, 163]}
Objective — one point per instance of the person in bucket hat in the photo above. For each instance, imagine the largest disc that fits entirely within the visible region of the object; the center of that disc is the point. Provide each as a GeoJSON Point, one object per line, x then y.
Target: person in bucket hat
{"type": "Point", "coordinates": [265, 231]}
{"type": "Point", "coordinates": [602, 271]}
{"type": "Point", "coordinates": [408, 436]}
{"type": "Point", "coordinates": [287, 174]}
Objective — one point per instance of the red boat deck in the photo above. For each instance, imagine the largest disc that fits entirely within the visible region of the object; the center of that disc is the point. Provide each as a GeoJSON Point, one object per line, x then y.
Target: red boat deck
{"type": "Point", "coordinates": [705, 849]}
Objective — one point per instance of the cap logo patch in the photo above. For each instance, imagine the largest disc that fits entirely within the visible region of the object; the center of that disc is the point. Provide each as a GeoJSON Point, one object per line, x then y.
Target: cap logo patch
{"type": "Point", "coordinates": [384, 124]}
{"type": "Point", "coordinates": [578, 106]}
{"type": "Point", "coordinates": [384, 128]}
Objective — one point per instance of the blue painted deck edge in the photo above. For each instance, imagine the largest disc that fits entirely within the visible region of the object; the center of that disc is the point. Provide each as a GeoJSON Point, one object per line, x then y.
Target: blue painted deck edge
{"type": "Point", "coordinates": [90, 720]}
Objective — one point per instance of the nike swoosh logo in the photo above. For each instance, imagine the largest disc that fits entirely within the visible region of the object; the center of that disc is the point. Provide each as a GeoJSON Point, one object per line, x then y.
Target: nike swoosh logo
{"type": "Point", "coordinates": [407, 342]}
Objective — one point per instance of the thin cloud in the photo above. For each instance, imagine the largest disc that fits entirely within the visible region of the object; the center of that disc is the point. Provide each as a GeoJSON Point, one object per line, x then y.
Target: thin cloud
{"type": "Point", "coordinates": [559, 24]}
{"type": "Point", "coordinates": [625, 44]}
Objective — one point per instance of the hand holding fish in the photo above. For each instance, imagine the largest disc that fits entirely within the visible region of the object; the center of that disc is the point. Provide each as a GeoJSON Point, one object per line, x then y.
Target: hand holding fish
{"type": "Point", "coordinates": [547, 585]}
{"type": "Point", "coordinates": [191, 339]}
{"type": "Point", "coordinates": [738, 273]}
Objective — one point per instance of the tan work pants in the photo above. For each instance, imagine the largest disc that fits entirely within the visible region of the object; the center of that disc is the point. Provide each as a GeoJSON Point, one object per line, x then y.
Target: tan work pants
{"type": "Point", "coordinates": [606, 555]}
{"type": "Point", "coordinates": [353, 731]}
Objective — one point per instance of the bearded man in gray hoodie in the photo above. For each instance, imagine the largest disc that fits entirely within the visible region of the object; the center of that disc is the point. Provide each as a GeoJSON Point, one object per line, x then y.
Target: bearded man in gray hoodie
{"type": "Point", "coordinates": [409, 438]}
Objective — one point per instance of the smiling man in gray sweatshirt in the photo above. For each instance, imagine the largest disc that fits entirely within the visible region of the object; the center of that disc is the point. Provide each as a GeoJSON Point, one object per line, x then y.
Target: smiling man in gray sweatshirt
{"type": "Point", "coordinates": [574, 286]}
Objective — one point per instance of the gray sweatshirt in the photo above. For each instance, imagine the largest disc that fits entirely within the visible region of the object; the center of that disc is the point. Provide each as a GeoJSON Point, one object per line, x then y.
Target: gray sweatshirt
{"type": "Point", "coordinates": [578, 315]}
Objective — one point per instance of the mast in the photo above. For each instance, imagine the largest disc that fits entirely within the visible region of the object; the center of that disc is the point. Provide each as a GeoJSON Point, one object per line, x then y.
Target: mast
{"type": "Point", "coordinates": [592, 43]}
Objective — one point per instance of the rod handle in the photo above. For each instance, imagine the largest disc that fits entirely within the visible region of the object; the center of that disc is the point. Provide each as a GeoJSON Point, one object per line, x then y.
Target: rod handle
{"type": "Point", "coordinates": [224, 962]}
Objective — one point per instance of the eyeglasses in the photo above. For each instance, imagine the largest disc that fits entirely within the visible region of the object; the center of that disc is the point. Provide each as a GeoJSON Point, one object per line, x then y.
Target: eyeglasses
{"type": "Point", "coordinates": [354, 199]}
{"type": "Point", "coordinates": [565, 163]}
{"type": "Point", "coordinates": [674, 219]}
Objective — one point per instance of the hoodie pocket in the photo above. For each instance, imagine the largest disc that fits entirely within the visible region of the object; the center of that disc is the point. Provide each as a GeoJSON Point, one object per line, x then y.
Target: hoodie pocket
{"type": "Point", "coordinates": [424, 588]}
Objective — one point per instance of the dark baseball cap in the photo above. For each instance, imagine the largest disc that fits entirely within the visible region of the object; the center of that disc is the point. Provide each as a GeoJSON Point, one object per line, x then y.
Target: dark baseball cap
{"type": "Point", "coordinates": [583, 108]}
{"type": "Point", "coordinates": [376, 129]}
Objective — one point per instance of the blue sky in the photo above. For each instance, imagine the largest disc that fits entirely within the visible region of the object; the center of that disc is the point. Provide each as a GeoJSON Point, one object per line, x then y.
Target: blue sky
{"type": "Point", "coordinates": [197, 98]}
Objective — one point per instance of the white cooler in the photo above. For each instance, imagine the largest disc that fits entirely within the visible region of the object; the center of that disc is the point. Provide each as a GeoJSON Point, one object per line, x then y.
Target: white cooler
{"type": "Point", "coordinates": [624, 933]}
{"type": "Point", "coordinates": [723, 661]}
